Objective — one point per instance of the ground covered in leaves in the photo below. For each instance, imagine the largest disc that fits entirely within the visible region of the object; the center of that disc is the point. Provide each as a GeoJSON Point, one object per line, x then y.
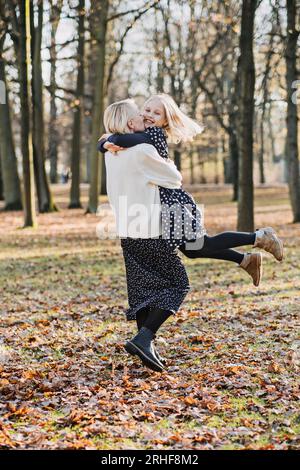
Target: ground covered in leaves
{"type": "Point", "coordinates": [66, 381]}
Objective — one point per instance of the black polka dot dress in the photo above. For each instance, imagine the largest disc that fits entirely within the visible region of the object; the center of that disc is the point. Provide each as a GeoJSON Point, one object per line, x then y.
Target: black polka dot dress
{"type": "Point", "coordinates": [182, 220]}
{"type": "Point", "coordinates": [156, 276]}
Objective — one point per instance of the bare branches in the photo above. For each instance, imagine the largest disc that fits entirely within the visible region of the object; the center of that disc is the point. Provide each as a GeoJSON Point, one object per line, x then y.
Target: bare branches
{"type": "Point", "coordinates": [121, 42]}
{"type": "Point", "coordinates": [146, 7]}
{"type": "Point", "coordinates": [13, 20]}
{"type": "Point", "coordinates": [67, 90]}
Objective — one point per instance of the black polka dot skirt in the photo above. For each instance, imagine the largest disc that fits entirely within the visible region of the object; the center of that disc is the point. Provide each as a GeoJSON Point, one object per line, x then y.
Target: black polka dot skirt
{"type": "Point", "coordinates": [155, 274]}
{"type": "Point", "coordinates": [182, 220]}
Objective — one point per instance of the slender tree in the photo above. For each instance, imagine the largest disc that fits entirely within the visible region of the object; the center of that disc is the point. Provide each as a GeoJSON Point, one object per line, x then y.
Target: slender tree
{"type": "Point", "coordinates": [24, 60]}
{"type": "Point", "coordinates": [246, 73]}
{"type": "Point", "coordinates": [52, 151]}
{"type": "Point", "coordinates": [293, 12]}
{"type": "Point", "coordinates": [78, 111]}
{"type": "Point", "coordinates": [1, 185]}
{"type": "Point", "coordinates": [45, 200]}
{"type": "Point", "coordinates": [10, 177]}
{"type": "Point", "coordinates": [100, 10]}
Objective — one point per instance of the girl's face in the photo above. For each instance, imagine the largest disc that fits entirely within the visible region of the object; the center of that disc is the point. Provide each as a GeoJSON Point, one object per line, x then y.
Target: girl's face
{"type": "Point", "coordinates": [154, 113]}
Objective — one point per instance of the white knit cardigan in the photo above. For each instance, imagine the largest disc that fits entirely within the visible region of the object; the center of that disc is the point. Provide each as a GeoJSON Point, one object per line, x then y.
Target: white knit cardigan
{"type": "Point", "coordinates": [133, 176]}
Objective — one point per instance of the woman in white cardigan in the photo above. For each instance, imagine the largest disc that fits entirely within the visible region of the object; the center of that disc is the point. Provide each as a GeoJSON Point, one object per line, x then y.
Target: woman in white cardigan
{"type": "Point", "coordinates": [156, 277]}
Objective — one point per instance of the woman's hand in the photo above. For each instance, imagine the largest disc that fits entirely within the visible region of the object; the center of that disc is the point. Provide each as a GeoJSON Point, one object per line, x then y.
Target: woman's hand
{"type": "Point", "coordinates": [112, 147]}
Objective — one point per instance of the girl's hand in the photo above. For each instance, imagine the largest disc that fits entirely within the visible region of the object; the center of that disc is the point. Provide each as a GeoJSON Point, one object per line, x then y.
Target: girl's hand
{"type": "Point", "coordinates": [112, 147]}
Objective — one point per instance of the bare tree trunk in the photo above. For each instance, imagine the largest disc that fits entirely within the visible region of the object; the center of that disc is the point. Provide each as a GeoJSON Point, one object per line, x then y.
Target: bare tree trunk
{"type": "Point", "coordinates": [263, 113]}
{"type": "Point", "coordinates": [246, 73]}
{"type": "Point", "coordinates": [78, 113]}
{"type": "Point", "coordinates": [109, 89]}
{"type": "Point", "coordinates": [234, 160]}
{"type": "Point", "coordinates": [262, 179]}
{"type": "Point", "coordinates": [203, 177]}
{"type": "Point", "coordinates": [292, 117]}
{"type": "Point", "coordinates": [233, 138]}
{"type": "Point", "coordinates": [52, 151]}
{"type": "Point", "coordinates": [9, 170]}
{"type": "Point", "coordinates": [271, 134]}
{"type": "Point", "coordinates": [26, 118]}
{"type": "Point", "coordinates": [159, 48]}
{"type": "Point", "coordinates": [103, 188]}
{"type": "Point", "coordinates": [99, 34]}
{"type": "Point", "coordinates": [1, 184]}
{"type": "Point", "coordinates": [192, 173]}
{"type": "Point", "coordinates": [44, 195]}
{"type": "Point", "coordinates": [216, 175]}
{"type": "Point", "coordinates": [91, 52]}
{"type": "Point", "coordinates": [177, 158]}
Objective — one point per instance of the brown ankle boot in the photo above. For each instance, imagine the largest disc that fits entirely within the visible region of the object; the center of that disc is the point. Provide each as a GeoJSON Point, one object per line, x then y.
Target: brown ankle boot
{"type": "Point", "coordinates": [267, 239]}
{"type": "Point", "coordinates": [252, 264]}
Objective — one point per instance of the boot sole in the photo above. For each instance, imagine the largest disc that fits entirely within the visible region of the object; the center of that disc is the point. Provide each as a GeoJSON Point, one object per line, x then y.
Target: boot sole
{"type": "Point", "coordinates": [280, 257]}
{"type": "Point", "coordinates": [281, 250]}
{"type": "Point", "coordinates": [159, 358]}
{"type": "Point", "coordinates": [133, 349]}
{"type": "Point", "coordinates": [258, 261]}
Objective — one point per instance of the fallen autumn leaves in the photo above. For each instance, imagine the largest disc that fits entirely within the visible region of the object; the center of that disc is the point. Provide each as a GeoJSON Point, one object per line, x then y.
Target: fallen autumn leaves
{"type": "Point", "coordinates": [67, 383]}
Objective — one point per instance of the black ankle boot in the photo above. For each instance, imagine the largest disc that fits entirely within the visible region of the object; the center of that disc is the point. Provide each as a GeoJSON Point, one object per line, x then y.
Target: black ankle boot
{"type": "Point", "coordinates": [141, 345]}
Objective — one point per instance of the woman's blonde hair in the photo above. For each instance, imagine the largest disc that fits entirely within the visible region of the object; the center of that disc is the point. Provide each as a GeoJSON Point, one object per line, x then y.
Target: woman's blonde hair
{"type": "Point", "coordinates": [117, 115]}
{"type": "Point", "coordinates": [179, 127]}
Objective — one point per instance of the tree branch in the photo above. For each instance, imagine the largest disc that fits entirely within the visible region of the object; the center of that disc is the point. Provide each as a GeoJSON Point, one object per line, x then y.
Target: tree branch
{"type": "Point", "coordinates": [123, 13]}
{"type": "Point", "coordinates": [129, 27]}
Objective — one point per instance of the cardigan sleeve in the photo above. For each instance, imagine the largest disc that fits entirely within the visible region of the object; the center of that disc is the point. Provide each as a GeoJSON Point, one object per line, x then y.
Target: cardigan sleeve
{"type": "Point", "coordinates": [158, 171]}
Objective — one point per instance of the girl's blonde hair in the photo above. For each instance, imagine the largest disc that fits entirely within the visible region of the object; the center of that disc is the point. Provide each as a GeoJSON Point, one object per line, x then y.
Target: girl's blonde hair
{"type": "Point", "coordinates": [117, 115]}
{"type": "Point", "coordinates": [179, 127]}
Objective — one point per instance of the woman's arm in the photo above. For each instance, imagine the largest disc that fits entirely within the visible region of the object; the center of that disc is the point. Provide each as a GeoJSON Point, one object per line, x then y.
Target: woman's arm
{"type": "Point", "coordinates": [158, 171]}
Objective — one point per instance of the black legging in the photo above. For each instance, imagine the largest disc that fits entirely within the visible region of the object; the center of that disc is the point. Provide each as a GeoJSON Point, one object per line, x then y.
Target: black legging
{"type": "Point", "coordinates": [218, 246]}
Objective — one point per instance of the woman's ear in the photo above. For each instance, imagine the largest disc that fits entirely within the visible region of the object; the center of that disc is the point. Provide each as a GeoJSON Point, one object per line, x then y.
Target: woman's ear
{"type": "Point", "coordinates": [129, 124]}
